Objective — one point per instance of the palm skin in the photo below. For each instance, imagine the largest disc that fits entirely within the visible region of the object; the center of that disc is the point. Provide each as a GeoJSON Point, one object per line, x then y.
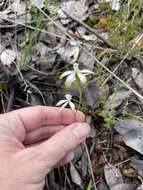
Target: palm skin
{"type": "Point", "coordinates": [33, 141]}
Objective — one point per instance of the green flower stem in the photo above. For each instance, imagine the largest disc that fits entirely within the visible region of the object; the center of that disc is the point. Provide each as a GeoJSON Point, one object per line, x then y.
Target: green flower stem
{"type": "Point", "coordinates": [79, 88]}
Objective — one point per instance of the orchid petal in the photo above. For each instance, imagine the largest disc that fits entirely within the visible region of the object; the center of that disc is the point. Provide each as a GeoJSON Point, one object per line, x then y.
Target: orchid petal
{"type": "Point", "coordinates": [82, 78]}
{"type": "Point", "coordinates": [70, 79]}
{"type": "Point", "coordinates": [66, 74]}
{"type": "Point", "coordinates": [72, 106]}
{"type": "Point", "coordinates": [61, 102]}
{"type": "Point", "coordinates": [63, 106]}
{"type": "Point", "coordinates": [87, 72]}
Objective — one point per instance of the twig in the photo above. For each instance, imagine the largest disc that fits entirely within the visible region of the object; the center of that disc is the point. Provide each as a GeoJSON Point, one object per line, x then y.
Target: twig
{"type": "Point", "coordinates": [10, 99]}
{"type": "Point", "coordinates": [127, 160]}
{"type": "Point", "coordinates": [124, 58]}
{"type": "Point", "coordinates": [67, 178]}
{"type": "Point", "coordinates": [114, 75]}
{"type": "Point", "coordinates": [33, 28]}
{"type": "Point", "coordinates": [38, 71]}
{"type": "Point", "coordinates": [89, 29]}
{"type": "Point", "coordinates": [114, 71]}
{"type": "Point", "coordinates": [90, 166]}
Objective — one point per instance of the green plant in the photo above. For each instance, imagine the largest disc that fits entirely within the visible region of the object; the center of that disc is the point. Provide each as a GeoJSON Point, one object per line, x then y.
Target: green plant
{"type": "Point", "coordinates": [123, 25]}
{"type": "Point", "coordinates": [36, 89]}
{"type": "Point", "coordinates": [89, 187]}
{"type": "Point", "coordinates": [79, 77]}
{"type": "Point", "coordinates": [108, 116]}
{"type": "Point", "coordinates": [33, 36]}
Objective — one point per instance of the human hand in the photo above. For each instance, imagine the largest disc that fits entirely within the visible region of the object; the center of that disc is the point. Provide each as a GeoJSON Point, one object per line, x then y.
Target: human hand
{"type": "Point", "coordinates": [35, 140]}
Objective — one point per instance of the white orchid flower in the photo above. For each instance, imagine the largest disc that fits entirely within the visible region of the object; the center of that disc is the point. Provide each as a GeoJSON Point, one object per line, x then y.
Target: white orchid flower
{"type": "Point", "coordinates": [67, 101]}
{"type": "Point", "coordinates": [76, 73]}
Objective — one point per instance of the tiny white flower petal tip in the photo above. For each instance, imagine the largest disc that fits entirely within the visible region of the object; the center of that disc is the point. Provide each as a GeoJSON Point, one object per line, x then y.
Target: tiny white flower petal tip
{"type": "Point", "coordinates": [66, 74]}
{"type": "Point", "coordinates": [66, 102]}
{"type": "Point", "coordinates": [87, 72]}
{"type": "Point", "coordinates": [61, 102]}
{"type": "Point", "coordinates": [82, 78]}
{"type": "Point", "coordinates": [72, 106]}
{"type": "Point", "coordinates": [63, 106]}
{"type": "Point", "coordinates": [71, 75]}
{"type": "Point", "coordinates": [69, 80]}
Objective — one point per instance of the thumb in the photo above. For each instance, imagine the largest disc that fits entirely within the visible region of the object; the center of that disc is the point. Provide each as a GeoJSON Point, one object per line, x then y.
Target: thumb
{"type": "Point", "coordinates": [54, 149]}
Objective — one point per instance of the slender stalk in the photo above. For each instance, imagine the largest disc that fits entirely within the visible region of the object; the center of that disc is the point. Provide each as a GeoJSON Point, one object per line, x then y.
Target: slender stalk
{"type": "Point", "coordinates": [90, 166]}
{"type": "Point", "coordinates": [78, 84]}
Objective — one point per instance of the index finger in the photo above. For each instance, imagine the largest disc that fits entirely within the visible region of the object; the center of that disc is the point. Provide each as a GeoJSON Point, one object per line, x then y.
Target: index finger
{"type": "Point", "coordinates": [37, 116]}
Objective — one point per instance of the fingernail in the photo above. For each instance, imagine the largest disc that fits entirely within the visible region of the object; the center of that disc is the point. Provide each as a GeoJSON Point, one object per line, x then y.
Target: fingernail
{"type": "Point", "coordinates": [81, 131]}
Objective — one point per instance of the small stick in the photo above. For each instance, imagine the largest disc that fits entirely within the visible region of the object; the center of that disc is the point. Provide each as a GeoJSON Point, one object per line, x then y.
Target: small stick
{"type": "Point", "coordinates": [90, 166]}
{"type": "Point", "coordinates": [10, 100]}
{"type": "Point", "coordinates": [89, 29]}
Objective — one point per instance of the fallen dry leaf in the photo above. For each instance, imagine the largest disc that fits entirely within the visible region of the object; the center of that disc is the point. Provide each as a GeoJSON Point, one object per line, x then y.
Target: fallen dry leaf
{"type": "Point", "coordinates": [8, 57]}
{"type": "Point", "coordinates": [77, 8]}
{"type": "Point", "coordinates": [134, 139]}
{"type": "Point", "coordinates": [138, 165]}
{"type": "Point", "coordinates": [91, 95]}
{"type": "Point", "coordinates": [75, 175]}
{"type": "Point", "coordinates": [116, 99]}
{"type": "Point", "coordinates": [70, 53]}
{"type": "Point", "coordinates": [113, 175]}
{"type": "Point", "coordinates": [125, 125]}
